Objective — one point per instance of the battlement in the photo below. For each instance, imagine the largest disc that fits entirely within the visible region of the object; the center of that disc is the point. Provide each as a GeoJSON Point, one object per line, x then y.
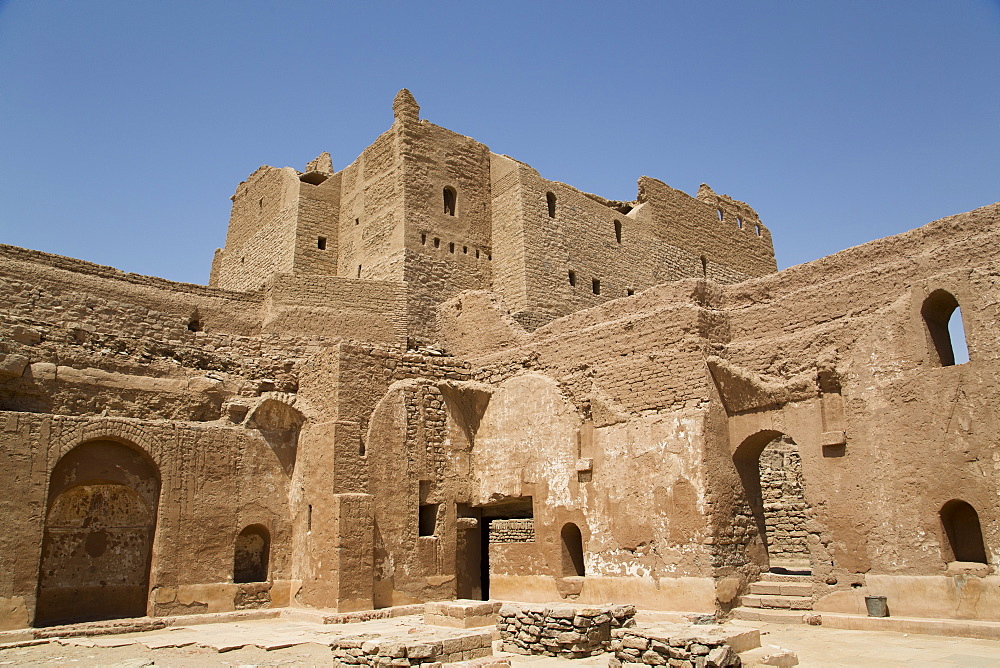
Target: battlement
{"type": "Point", "coordinates": [442, 213]}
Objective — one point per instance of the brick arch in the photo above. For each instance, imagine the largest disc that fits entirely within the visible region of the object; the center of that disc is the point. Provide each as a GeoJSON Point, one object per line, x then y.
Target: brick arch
{"type": "Point", "coordinates": [109, 429]}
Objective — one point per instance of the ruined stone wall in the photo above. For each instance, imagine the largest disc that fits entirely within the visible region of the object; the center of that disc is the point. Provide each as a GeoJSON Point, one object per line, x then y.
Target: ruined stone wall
{"type": "Point", "coordinates": [911, 425]}
{"type": "Point", "coordinates": [380, 430]}
{"type": "Point", "coordinates": [785, 510]}
{"type": "Point", "coordinates": [336, 307]}
{"type": "Point", "coordinates": [507, 185]}
{"type": "Point", "coordinates": [318, 227]}
{"type": "Point", "coordinates": [447, 250]}
{"type": "Point", "coordinates": [262, 230]}
{"type": "Point", "coordinates": [371, 221]}
{"type": "Point", "coordinates": [727, 232]}
{"type": "Point", "coordinates": [584, 250]}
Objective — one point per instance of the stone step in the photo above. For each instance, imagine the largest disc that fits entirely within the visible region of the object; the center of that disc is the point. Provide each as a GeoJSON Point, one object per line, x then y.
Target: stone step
{"type": "Point", "coordinates": [774, 616]}
{"type": "Point", "coordinates": [784, 577]}
{"type": "Point", "coordinates": [769, 601]}
{"type": "Point", "coordinates": [782, 588]}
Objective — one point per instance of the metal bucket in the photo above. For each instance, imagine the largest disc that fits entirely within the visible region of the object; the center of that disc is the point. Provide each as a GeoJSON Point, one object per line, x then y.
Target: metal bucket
{"type": "Point", "coordinates": [877, 606]}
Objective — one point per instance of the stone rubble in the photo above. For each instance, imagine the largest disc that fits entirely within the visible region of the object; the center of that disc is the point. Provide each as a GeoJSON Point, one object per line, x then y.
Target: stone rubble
{"type": "Point", "coordinates": [679, 647]}
{"type": "Point", "coordinates": [569, 632]}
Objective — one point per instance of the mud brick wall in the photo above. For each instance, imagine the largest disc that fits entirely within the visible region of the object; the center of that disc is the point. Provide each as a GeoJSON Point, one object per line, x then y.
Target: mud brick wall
{"type": "Point", "coordinates": [262, 228]}
{"type": "Point", "coordinates": [512, 531]}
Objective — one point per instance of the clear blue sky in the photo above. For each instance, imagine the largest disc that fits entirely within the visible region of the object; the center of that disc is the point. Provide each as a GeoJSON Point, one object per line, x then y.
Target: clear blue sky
{"type": "Point", "coordinates": [126, 126]}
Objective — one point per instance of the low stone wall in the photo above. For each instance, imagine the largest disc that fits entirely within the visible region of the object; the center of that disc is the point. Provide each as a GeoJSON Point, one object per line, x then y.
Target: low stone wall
{"type": "Point", "coordinates": [461, 613]}
{"type": "Point", "coordinates": [680, 646]}
{"type": "Point", "coordinates": [569, 632]}
{"type": "Point", "coordinates": [429, 651]}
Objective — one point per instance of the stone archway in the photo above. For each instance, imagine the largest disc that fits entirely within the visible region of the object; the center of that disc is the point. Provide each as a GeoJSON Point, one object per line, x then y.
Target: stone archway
{"type": "Point", "coordinates": [770, 469]}
{"type": "Point", "coordinates": [98, 537]}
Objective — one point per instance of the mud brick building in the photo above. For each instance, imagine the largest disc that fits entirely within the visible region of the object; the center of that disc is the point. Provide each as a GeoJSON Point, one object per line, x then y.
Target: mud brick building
{"type": "Point", "coordinates": [435, 374]}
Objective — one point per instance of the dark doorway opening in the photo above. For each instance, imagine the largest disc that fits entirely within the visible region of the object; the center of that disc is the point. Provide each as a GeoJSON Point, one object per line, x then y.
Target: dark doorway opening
{"type": "Point", "coordinates": [481, 534]}
{"type": "Point", "coordinates": [572, 551]}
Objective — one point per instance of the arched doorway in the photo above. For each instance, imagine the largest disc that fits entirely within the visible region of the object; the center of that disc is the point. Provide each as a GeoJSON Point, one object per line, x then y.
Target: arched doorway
{"type": "Point", "coordinates": [770, 469]}
{"type": "Point", "coordinates": [572, 550]}
{"type": "Point", "coordinates": [98, 538]}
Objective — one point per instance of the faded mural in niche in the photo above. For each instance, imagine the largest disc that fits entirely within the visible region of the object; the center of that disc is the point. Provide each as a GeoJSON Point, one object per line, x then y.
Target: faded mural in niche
{"type": "Point", "coordinates": [98, 535]}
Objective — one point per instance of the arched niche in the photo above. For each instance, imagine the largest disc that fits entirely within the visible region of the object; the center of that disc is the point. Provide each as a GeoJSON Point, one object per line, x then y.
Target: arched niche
{"type": "Point", "coordinates": [98, 536]}
{"type": "Point", "coordinates": [964, 535]}
{"type": "Point", "coordinates": [251, 554]}
{"type": "Point", "coordinates": [280, 425]}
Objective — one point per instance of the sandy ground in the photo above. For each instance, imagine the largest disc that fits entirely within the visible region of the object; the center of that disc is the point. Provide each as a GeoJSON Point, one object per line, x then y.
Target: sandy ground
{"type": "Point", "coordinates": [815, 646]}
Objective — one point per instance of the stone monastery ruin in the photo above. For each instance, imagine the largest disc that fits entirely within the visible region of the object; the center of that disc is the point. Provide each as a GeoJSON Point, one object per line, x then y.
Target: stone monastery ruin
{"type": "Point", "coordinates": [435, 374]}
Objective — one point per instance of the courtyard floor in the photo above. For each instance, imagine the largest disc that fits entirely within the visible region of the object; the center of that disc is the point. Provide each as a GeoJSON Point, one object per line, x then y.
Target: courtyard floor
{"type": "Point", "coordinates": [282, 642]}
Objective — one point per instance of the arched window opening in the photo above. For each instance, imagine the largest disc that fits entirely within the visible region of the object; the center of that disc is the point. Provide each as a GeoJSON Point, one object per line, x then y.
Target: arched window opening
{"type": "Point", "coordinates": [756, 229]}
{"type": "Point", "coordinates": [965, 537]}
{"type": "Point", "coordinates": [450, 200]}
{"type": "Point", "coordinates": [572, 550]}
{"type": "Point", "coordinates": [250, 554]}
{"type": "Point", "coordinates": [194, 322]}
{"type": "Point", "coordinates": [720, 214]}
{"type": "Point", "coordinates": [946, 332]}
{"type": "Point", "coordinates": [618, 231]}
{"type": "Point", "coordinates": [739, 222]}
{"type": "Point", "coordinates": [550, 198]}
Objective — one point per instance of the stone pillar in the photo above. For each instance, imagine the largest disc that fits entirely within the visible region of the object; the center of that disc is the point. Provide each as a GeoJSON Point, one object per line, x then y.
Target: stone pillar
{"type": "Point", "coordinates": [352, 558]}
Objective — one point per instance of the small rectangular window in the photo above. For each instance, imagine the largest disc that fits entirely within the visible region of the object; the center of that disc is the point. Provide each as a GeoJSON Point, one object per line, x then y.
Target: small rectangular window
{"type": "Point", "coordinates": [597, 286]}
{"type": "Point", "coordinates": [428, 519]}
{"type": "Point", "coordinates": [572, 277]}
{"type": "Point", "coordinates": [630, 292]}
{"type": "Point", "coordinates": [321, 243]}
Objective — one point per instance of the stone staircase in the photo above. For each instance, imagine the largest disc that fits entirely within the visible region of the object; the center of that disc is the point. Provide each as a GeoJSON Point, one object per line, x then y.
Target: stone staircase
{"type": "Point", "coordinates": [776, 597]}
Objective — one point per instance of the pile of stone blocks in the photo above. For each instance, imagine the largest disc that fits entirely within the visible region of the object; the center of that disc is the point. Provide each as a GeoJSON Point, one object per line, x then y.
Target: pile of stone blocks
{"type": "Point", "coordinates": [429, 651]}
{"type": "Point", "coordinates": [681, 646]}
{"type": "Point", "coordinates": [569, 632]}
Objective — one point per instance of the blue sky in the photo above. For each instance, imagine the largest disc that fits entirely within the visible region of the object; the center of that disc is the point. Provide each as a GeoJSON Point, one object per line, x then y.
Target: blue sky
{"type": "Point", "coordinates": [126, 126]}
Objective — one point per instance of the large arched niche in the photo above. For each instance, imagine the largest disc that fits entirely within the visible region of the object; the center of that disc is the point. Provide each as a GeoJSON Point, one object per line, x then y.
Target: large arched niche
{"type": "Point", "coordinates": [98, 537]}
{"type": "Point", "coordinates": [528, 420]}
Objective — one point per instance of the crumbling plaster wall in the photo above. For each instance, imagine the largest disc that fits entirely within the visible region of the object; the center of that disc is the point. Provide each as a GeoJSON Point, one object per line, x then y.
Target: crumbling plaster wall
{"type": "Point", "coordinates": [214, 481]}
